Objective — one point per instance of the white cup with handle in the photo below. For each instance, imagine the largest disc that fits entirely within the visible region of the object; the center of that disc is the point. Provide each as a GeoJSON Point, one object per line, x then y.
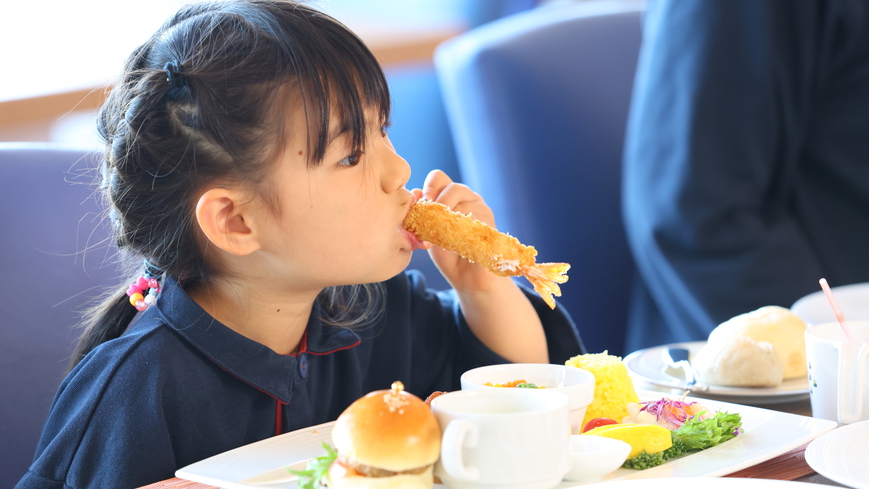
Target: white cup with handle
{"type": "Point", "coordinates": [503, 438]}
{"type": "Point", "coordinates": [839, 371]}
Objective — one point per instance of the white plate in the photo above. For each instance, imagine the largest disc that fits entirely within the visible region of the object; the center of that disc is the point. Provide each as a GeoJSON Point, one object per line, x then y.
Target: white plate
{"type": "Point", "coordinates": [648, 366]}
{"type": "Point", "coordinates": [706, 483]}
{"type": "Point", "coordinates": [767, 435]}
{"type": "Point", "coordinates": [853, 300]}
{"type": "Point", "coordinates": [841, 455]}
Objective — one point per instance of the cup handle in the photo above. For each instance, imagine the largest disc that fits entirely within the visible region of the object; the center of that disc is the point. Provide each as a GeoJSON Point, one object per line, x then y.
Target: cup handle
{"type": "Point", "coordinates": [459, 433]}
{"type": "Point", "coordinates": [851, 381]}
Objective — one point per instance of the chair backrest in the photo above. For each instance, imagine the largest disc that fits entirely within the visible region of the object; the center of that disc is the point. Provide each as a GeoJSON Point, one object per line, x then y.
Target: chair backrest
{"type": "Point", "coordinates": [538, 104]}
{"type": "Point", "coordinates": [54, 258]}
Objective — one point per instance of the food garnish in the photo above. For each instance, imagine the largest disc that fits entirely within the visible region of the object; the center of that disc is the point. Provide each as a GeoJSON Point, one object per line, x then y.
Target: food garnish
{"type": "Point", "coordinates": [669, 413]}
{"type": "Point", "coordinates": [695, 435]}
{"type": "Point", "coordinates": [700, 434]}
{"type": "Point", "coordinates": [315, 474]}
{"type": "Point", "coordinates": [647, 460]}
{"type": "Point", "coordinates": [649, 438]}
{"type": "Point", "coordinates": [480, 243]}
{"type": "Point", "coordinates": [523, 384]}
{"type": "Point", "coordinates": [594, 423]}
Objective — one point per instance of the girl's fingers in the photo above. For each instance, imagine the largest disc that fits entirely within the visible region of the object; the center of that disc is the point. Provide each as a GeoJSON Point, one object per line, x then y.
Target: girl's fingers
{"type": "Point", "coordinates": [458, 194]}
{"type": "Point", "coordinates": [434, 184]}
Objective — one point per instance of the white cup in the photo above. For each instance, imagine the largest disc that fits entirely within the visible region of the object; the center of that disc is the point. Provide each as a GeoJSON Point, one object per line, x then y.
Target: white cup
{"type": "Point", "coordinates": [839, 371]}
{"type": "Point", "coordinates": [503, 438]}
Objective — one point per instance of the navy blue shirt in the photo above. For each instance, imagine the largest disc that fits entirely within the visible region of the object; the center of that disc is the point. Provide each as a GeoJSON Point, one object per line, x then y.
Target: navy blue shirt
{"type": "Point", "coordinates": [179, 386]}
{"type": "Point", "coordinates": [746, 174]}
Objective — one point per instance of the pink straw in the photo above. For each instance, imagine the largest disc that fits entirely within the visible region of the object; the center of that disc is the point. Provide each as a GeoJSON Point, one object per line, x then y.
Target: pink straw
{"type": "Point", "coordinates": [838, 312]}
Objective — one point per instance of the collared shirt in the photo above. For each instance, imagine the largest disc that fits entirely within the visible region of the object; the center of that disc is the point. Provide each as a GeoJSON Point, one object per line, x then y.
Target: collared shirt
{"type": "Point", "coordinates": [179, 386]}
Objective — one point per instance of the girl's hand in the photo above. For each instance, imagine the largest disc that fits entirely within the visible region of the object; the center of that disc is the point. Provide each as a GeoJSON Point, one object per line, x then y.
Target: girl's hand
{"type": "Point", "coordinates": [496, 310]}
{"type": "Point", "coordinates": [459, 272]}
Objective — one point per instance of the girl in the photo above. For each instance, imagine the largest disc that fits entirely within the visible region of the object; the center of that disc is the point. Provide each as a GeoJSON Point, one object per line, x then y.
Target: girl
{"type": "Point", "coordinates": [247, 162]}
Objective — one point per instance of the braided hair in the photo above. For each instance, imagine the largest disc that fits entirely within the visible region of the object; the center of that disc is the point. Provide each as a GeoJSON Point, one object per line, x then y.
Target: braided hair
{"type": "Point", "coordinates": [200, 103]}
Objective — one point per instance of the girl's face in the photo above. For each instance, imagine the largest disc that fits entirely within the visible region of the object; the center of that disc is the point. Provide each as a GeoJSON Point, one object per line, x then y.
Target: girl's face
{"type": "Point", "coordinates": [339, 223]}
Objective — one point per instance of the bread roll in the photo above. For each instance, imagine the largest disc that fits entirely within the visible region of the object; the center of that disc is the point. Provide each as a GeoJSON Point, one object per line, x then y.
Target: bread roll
{"type": "Point", "coordinates": [776, 325]}
{"type": "Point", "coordinates": [738, 362]}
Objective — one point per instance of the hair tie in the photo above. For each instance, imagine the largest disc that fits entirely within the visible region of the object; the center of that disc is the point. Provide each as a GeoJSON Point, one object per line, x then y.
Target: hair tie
{"type": "Point", "coordinates": [150, 283]}
{"type": "Point", "coordinates": [177, 80]}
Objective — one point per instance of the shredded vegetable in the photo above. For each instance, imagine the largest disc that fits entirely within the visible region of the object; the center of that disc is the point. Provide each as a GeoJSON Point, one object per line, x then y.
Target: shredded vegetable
{"type": "Point", "coordinates": [316, 470]}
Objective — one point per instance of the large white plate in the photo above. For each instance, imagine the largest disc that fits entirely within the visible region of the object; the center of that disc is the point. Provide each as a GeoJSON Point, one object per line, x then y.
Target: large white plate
{"type": "Point", "coordinates": [767, 435]}
{"type": "Point", "coordinates": [648, 366]}
{"type": "Point", "coordinates": [853, 300]}
{"type": "Point", "coordinates": [841, 455]}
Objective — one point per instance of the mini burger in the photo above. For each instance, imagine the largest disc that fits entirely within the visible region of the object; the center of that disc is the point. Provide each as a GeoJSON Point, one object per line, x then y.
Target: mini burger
{"type": "Point", "coordinates": [386, 439]}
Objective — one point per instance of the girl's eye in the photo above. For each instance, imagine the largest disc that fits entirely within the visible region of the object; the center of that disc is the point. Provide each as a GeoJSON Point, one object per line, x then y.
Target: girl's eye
{"type": "Point", "coordinates": [351, 160]}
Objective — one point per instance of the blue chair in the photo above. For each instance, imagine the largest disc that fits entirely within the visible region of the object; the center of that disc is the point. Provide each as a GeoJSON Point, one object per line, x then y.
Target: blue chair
{"type": "Point", "coordinates": [55, 258]}
{"type": "Point", "coordinates": [538, 103]}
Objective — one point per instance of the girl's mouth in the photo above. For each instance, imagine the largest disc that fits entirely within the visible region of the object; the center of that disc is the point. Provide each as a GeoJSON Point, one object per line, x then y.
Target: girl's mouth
{"type": "Point", "coordinates": [414, 241]}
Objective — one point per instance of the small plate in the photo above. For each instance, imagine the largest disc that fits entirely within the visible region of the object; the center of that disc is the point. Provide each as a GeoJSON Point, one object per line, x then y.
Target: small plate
{"type": "Point", "coordinates": [853, 300]}
{"type": "Point", "coordinates": [767, 435]}
{"type": "Point", "coordinates": [840, 455]}
{"type": "Point", "coordinates": [648, 366]}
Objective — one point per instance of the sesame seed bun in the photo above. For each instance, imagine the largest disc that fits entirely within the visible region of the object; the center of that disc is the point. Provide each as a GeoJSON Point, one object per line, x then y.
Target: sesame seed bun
{"type": "Point", "coordinates": [388, 430]}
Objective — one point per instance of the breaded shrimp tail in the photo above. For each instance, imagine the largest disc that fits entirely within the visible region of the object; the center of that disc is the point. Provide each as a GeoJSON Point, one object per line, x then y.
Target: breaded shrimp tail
{"type": "Point", "coordinates": [501, 253]}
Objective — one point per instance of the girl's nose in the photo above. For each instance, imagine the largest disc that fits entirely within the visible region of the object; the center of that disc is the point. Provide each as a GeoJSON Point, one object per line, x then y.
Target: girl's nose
{"type": "Point", "coordinates": [396, 170]}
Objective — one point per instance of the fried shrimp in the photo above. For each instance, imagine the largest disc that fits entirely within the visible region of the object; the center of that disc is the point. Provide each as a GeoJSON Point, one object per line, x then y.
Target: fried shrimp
{"type": "Point", "coordinates": [501, 253]}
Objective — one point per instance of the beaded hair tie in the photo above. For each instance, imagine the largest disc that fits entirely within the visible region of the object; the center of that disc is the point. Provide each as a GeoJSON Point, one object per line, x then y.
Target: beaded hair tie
{"type": "Point", "coordinates": [150, 283]}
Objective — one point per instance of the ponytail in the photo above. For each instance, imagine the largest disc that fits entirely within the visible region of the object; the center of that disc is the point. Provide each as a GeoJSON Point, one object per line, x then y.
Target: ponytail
{"type": "Point", "coordinates": [105, 321]}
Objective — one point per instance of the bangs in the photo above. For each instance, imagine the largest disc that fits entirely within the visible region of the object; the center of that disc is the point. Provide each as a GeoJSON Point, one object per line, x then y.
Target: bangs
{"type": "Point", "coordinates": [339, 78]}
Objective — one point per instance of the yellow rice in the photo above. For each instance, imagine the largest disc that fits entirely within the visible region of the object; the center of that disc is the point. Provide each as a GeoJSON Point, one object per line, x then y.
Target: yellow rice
{"type": "Point", "coordinates": [613, 388]}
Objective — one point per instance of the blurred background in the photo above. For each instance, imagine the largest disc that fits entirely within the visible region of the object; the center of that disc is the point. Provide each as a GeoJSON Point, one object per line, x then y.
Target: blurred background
{"type": "Point", "coordinates": [59, 57]}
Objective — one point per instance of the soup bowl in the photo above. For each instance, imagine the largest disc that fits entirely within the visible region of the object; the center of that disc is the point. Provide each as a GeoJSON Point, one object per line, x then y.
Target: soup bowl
{"type": "Point", "coordinates": [577, 383]}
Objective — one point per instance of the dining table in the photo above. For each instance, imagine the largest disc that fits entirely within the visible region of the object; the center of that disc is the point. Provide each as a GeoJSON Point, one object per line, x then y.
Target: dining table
{"type": "Point", "coordinates": [789, 466]}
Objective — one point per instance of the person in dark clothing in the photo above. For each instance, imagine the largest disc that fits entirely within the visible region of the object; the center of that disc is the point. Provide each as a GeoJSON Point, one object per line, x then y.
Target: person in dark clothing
{"type": "Point", "coordinates": [247, 164]}
{"type": "Point", "coordinates": [746, 168]}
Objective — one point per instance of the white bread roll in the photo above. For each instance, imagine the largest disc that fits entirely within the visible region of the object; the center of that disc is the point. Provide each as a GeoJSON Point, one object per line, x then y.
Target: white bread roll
{"type": "Point", "coordinates": [738, 362]}
{"type": "Point", "coordinates": [776, 325]}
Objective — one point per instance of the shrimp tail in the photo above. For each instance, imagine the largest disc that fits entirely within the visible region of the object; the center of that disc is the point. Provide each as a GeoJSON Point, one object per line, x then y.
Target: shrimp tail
{"type": "Point", "coordinates": [545, 278]}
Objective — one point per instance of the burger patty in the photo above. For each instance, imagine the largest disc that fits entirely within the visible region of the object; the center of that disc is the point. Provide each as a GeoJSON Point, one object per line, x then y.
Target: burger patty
{"type": "Point", "coordinates": [375, 472]}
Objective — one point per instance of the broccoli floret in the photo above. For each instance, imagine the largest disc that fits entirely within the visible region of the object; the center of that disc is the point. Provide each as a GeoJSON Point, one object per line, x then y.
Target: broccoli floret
{"type": "Point", "coordinates": [645, 460]}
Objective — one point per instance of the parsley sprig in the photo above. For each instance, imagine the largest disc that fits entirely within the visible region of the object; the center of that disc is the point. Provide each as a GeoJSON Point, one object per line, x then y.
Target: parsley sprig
{"type": "Point", "coordinates": [316, 470]}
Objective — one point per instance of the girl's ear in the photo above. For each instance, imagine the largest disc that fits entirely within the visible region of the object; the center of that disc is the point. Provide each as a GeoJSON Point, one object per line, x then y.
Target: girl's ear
{"type": "Point", "coordinates": [225, 221]}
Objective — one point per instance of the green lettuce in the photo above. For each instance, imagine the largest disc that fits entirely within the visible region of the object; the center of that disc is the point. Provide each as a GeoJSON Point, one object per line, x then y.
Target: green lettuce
{"type": "Point", "coordinates": [700, 434]}
{"type": "Point", "coordinates": [317, 469]}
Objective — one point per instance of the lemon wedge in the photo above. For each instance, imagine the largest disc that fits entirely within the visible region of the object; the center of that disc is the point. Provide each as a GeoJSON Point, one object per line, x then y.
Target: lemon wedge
{"type": "Point", "coordinates": [649, 437]}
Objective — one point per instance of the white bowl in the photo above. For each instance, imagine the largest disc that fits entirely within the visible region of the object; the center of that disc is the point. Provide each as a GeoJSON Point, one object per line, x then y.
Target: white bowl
{"type": "Point", "coordinates": [853, 300]}
{"type": "Point", "coordinates": [577, 383]}
{"type": "Point", "coordinates": [592, 457]}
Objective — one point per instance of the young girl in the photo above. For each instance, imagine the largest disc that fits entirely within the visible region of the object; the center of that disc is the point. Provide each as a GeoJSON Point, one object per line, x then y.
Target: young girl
{"type": "Point", "coordinates": [247, 163]}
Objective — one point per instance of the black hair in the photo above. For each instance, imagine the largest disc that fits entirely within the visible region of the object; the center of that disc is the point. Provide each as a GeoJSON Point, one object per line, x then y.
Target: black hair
{"type": "Point", "coordinates": [200, 102]}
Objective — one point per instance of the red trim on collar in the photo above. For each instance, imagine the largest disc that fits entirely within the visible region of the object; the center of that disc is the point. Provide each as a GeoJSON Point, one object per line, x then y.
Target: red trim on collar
{"type": "Point", "coordinates": [303, 347]}
{"type": "Point", "coordinates": [279, 417]}
{"type": "Point", "coordinates": [337, 349]}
